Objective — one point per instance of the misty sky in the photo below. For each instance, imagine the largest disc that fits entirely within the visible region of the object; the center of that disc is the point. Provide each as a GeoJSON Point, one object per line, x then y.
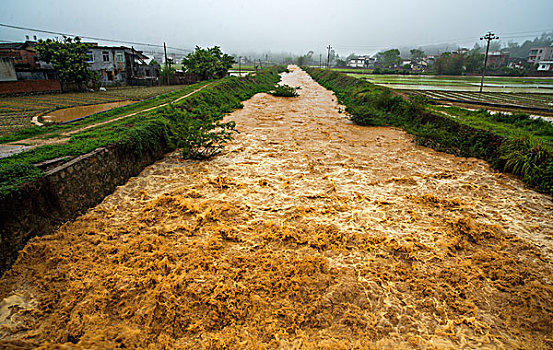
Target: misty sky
{"type": "Point", "coordinates": [363, 27]}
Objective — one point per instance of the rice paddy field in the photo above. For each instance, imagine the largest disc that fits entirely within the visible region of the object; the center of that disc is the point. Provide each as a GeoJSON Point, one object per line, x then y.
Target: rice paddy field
{"type": "Point", "coordinates": [525, 92]}
{"type": "Point", "coordinates": [529, 100]}
{"type": "Point", "coordinates": [461, 83]}
{"type": "Point", "coordinates": [16, 112]}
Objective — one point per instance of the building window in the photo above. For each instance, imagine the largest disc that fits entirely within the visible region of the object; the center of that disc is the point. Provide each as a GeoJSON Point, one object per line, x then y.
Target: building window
{"type": "Point", "coordinates": [105, 56]}
{"type": "Point", "coordinates": [119, 57]}
{"type": "Point", "coordinates": [90, 56]}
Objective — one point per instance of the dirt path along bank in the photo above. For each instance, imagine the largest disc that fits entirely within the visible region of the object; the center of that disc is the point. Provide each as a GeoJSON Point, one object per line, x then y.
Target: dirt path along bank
{"type": "Point", "coordinates": [307, 232]}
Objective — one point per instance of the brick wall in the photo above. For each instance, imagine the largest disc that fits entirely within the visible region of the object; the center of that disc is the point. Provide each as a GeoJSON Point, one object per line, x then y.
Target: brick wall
{"type": "Point", "coordinates": [24, 86]}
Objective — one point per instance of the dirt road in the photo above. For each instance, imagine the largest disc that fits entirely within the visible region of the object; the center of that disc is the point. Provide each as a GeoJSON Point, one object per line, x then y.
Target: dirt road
{"type": "Point", "coordinates": [307, 232]}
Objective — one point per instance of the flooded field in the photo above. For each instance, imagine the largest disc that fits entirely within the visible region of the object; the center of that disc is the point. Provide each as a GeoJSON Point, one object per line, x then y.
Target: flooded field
{"type": "Point", "coordinates": [68, 114]}
{"type": "Point", "coordinates": [541, 85]}
{"type": "Point", "coordinates": [307, 232]}
{"type": "Point", "coordinates": [17, 112]}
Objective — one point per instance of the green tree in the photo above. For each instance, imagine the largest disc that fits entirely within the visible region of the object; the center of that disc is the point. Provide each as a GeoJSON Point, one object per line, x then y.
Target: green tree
{"type": "Point", "coordinates": [69, 57]}
{"type": "Point", "coordinates": [450, 64]}
{"type": "Point", "coordinates": [341, 63]}
{"type": "Point", "coordinates": [305, 59]}
{"type": "Point", "coordinates": [210, 63]}
{"type": "Point", "coordinates": [417, 54]}
{"type": "Point", "coordinates": [168, 73]}
{"type": "Point", "coordinates": [474, 61]}
{"type": "Point", "coordinates": [496, 45]}
{"type": "Point", "coordinates": [390, 58]}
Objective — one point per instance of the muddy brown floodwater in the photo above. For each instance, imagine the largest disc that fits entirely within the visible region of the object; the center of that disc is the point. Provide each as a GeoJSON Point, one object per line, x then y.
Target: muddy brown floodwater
{"type": "Point", "coordinates": [307, 232]}
{"type": "Point", "coordinates": [68, 114]}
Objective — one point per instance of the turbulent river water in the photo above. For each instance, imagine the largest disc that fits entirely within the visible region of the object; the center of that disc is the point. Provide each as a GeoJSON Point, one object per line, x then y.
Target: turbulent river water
{"type": "Point", "coordinates": [306, 232]}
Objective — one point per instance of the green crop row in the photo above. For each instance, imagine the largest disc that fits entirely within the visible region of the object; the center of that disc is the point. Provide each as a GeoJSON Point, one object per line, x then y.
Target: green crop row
{"type": "Point", "coordinates": [517, 144]}
{"type": "Point", "coordinates": [160, 128]}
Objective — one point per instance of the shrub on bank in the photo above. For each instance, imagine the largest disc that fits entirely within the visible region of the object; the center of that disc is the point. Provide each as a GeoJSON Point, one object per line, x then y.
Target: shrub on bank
{"type": "Point", "coordinates": [284, 91]}
{"type": "Point", "coordinates": [198, 115]}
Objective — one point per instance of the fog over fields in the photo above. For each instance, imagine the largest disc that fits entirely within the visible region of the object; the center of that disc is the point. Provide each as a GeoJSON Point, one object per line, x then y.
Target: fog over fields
{"type": "Point", "coordinates": [284, 26]}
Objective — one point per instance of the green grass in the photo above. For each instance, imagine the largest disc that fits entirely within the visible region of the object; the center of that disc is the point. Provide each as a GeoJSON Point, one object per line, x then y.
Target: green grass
{"type": "Point", "coordinates": [243, 67]}
{"type": "Point", "coordinates": [150, 131]}
{"type": "Point", "coordinates": [512, 143]}
{"type": "Point", "coordinates": [506, 125]}
{"type": "Point", "coordinates": [284, 91]}
{"type": "Point", "coordinates": [360, 71]}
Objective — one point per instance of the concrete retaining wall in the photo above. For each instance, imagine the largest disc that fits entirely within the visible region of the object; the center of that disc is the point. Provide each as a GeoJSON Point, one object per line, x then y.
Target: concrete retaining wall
{"type": "Point", "coordinates": [64, 193]}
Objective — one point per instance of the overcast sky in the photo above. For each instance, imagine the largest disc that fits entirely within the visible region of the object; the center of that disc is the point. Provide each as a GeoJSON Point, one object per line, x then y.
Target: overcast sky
{"type": "Point", "coordinates": [282, 26]}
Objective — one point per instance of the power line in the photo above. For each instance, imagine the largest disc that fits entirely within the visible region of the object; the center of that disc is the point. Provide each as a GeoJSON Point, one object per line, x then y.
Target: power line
{"type": "Point", "coordinates": [532, 32]}
{"type": "Point", "coordinates": [91, 38]}
{"type": "Point", "coordinates": [511, 35]}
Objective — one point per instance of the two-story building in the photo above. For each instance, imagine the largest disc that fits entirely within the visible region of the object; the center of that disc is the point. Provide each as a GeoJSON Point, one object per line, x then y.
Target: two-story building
{"type": "Point", "coordinates": [361, 62]}
{"type": "Point", "coordinates": [122, 65]}
{"type": "Point", "coordinates": [538, 54]}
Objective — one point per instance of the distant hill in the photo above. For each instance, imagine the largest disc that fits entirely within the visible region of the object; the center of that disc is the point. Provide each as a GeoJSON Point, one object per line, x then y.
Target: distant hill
{"type": "Point", "coordinates": [521, 50]}
{"type": "Point", "coordinates": [514, 49]}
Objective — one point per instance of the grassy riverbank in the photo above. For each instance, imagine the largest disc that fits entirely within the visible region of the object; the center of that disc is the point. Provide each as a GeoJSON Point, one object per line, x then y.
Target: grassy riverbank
{"type": "Point", "coordinates": [152, 130]}
{"type": "Point", "coordinates": [516, 144]}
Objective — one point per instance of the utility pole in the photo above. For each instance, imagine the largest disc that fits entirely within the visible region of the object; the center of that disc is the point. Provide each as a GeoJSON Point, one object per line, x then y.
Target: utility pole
{"type": "Point", "coordinates": [320, 60]}
{"type": "Point", "coordinates": [240, 66]}
{"type": "Point", "coordinates": [166, 71]}
{"type": "Point", "coordinates": [132, 64]}
{"type": "Point", "coordinates": [328, 57]}
{"type": "Point", "coordinates": [260, 65]}
{"type": "Point", "coordinates": [489, 37]}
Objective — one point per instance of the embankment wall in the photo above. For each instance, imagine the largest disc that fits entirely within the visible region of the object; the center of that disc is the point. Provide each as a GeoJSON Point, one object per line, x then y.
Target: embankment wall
{"type": "Point", "coordinates": [64, 193]}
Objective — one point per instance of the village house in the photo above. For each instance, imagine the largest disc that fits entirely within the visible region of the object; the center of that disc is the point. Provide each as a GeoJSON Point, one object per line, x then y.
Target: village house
{"type": "Point", "coordinates": [460, 51]}
{"type": "Point", "coordinates": [419, 66]}
{"type": "Point", "coordinates": [22, 72]}
{"type": "Point", "coordinates": [498, 59]}
{"type": "Point", "coordinates": [122, 66]}
{"type": "Point", "coordinates": [538, 54]}
{"type": "Point", "coordinates": [430, 60]}
{"type": "Point", "coordinates": [361, 62]}
{"type": "Point", "coordinates": [545, 66]}
{"type": "Point", "coordinates": [516, 63]}
{"type": "Point", "coordinates": [25, 61]}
